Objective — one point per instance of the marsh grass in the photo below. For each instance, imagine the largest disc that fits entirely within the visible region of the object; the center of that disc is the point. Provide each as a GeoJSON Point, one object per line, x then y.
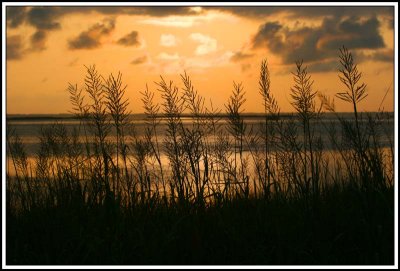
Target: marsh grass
{"type": "Point", "coordinates": [271, 108]}
{"type": "Point", "coordinates": [101, 194]}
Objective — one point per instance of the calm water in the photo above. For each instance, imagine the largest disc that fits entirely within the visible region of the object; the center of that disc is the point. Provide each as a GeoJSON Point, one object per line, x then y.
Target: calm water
{"type": "Point", "coordinates": [28, 127]}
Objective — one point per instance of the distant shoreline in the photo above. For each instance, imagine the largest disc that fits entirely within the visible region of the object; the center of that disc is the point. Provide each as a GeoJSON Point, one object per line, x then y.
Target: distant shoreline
{"type": "Point", "coordinates": [24, 117]}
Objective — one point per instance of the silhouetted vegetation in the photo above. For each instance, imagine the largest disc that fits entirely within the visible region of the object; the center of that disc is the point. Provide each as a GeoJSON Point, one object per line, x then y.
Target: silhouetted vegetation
{"type": "Point", "coordinates": [212, 190]}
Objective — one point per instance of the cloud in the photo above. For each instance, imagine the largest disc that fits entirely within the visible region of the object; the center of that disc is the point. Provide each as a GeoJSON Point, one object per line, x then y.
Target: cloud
{"type": "Point", "coordinates": [318, 43]}
{"type": "Point", "coordinates": [174, 63]}
{"type": "Point", "coordinates": [310, 12]}
{"type": "Point", "coordinates": [355, 34]}
{"type": "Point", "coordinates": [43, 18]}
{"type": "Point", "coordinates": [384, 55]}
{"type": "Point", "coordinates": [249, 12]}
{"type": "Point", "coordinates": [168, 57]}
{"type": "Point", "coordinates": [207, 44]}
{"type": "Point", "coordinates": [184, 21]}
{"type": "Point", "coordinates": [239, 56]}
{"type": "Point", "coordinates": [153, 11]}
{"type": "Point", "coordinates": [130, 39]}
{"type": "Point", "coordinates": [47, 16]}
{"type": "Point", "coordinates": [333, 64]}
{"type": "Point", "coordinates": [139, 60]}
{"type": "Point", "coordinates": [15, 16]}
{"type": "Point", "coordinates": [168, 63]}
{"type": "Point", "coordinates": [14, 47]}
{"type": "Point", "coordinates": [168, 40]}
{"type": "Point", "coordinates": [216, 59]}
{"type": "Point", "coordinates": [160, 11]}
{"type": "Point", "coordinates": [16, 50]}
{"type": "Point", "coordinates": [171, 21]}
{"type": "Point", "coordinates": [91, 38]}
{"type": "Point", "coordinates": [268, 35]}
{"type": "Point", "coordinates": [38, 40]}
{"type": "Point", "coordinates": [196, 9]}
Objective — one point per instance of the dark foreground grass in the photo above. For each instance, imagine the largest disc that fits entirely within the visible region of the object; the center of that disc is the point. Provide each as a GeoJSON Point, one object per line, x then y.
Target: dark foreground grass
{"type": "Point", "coordinates": [343, 227]}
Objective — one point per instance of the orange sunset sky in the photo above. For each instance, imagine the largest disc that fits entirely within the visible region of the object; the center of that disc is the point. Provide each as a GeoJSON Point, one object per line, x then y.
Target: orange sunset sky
{"type": "Point", "coordinates": [47, 48]}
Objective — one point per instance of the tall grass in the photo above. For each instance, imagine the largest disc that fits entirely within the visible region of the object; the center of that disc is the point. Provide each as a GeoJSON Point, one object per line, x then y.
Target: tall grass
{"type": "Point", "coordinates": [209, 163]}
{"type": "Point", "coordinates": [208, 160]}
{"type": "Point", "coordinates": [237, 128]}
{"type": "Point", "coordinates": [360, 151]}
{"type": "Point", "coordinates": [304, 103]}
{"type": "Point", "coordinates": [151, 110]}
{"type": "Point", "coordinates": [117, 107]}
{"type": "Point", "coordinates": [271, 109]}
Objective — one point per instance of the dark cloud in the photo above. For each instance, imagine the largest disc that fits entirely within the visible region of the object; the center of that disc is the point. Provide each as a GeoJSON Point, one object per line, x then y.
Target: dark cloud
{"type": "Point", "coordinates": [156, 11]}
{"type": "Point", "coordinates": [386, 55]}
{"type": "Point", "coordinates": [334, 65]}
{"type": "Point", "coordinates": [38, 40]}
{"type": "Point", "coordinates": [263, 12]}
{"type": "Point", "coordinates": [84, 41]}
{"type": "Point", "coordinates": [239, 56]}
{"type": "Point", "coordinates": [318, 43]}
{"type": "Point", "coordinates": [15, 16]}
{"type": "Point", "coordinates": [44, 18]}
{"type": "Point", "coordinates": [253, 12]}
{"type": "Point", "coordinates": [130, 40]}
{"type": "Point", "coordinates": [14, 48]}
{"type": "Point", "coordinates": [91, 38]}
{"type": "Point", "coordinates": [356, 35]}
{"type": "Point", "coordinates": [47, 18]}
{"type": "Point", "coordinates": [268, 36]}
{"type": "Point", "coordinates": [139, 60]}
{"type": "Point", "coordinates": [339, 11]}
{"type": "Point", "coordinates": [159, 11]}
{"type": "Point", "coordinates": [330, 65]}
